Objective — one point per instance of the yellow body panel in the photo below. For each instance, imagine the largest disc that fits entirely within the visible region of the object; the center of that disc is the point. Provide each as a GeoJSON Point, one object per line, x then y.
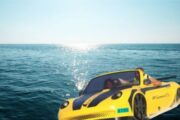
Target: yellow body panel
{"type": "Point", "coordinates": [157, 99]}
{"type": "Point", "coordinates": [106, 109]}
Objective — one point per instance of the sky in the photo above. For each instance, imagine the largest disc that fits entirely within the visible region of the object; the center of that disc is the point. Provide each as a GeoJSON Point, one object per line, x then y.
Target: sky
{"type": "Point", "coordinates": [89, 21]}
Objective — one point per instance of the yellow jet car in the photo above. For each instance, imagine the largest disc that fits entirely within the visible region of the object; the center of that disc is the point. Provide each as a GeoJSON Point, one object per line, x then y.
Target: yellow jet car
{"type": "Point", "coordinates": [122, 95]}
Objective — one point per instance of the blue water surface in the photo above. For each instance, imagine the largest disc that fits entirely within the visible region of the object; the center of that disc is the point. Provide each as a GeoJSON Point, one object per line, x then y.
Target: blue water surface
{"type": "Point", "coordinates": [36, 79]}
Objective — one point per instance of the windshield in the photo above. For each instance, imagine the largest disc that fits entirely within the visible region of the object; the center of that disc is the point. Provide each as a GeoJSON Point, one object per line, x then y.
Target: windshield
{"type": "Point", "coordinates": [111, 81]}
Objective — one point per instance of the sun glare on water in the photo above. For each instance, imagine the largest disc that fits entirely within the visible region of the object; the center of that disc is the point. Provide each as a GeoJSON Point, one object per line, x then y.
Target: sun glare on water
{"type": "Point", "coordinates": [81, 46]}
{"type": "Point", "coordinates": [78, 64]}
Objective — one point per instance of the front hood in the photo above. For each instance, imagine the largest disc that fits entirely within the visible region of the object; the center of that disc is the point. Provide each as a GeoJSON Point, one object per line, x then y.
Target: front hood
{"type": "Point", "coordinates": [96, 106]}
{"type": "Point", "coordinates": [92, 100]}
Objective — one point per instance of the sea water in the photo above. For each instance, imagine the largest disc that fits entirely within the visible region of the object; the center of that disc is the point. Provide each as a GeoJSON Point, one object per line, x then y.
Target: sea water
{"type": "Point", "coordinates": [36, 79]}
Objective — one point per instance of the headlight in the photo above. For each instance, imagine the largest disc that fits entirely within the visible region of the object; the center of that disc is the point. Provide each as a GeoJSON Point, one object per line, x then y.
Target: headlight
{"type": "Point", "coordinates": [116, 95]}
{"type": "Point", "coordinates": [64, 105]}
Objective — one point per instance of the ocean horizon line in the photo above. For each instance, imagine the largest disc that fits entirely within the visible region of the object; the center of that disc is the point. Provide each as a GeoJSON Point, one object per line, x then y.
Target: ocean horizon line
{"type": "Point", "coordinates": [85, 43]}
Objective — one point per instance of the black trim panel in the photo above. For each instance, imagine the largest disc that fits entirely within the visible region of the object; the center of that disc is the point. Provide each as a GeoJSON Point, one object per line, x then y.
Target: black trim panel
{"type": "Point", "coordinates": [144, 90]}
{"type": "Point", "coordinates": [107, 94]}
{"type": "Point", "coordinates": [79, 101]}
{"type": "Point", "coordinates": [131, 97]}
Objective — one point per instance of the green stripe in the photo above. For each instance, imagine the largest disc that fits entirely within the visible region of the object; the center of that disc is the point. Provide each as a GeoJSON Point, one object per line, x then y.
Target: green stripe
{"type": "Point", "coordinates": [122, 110]}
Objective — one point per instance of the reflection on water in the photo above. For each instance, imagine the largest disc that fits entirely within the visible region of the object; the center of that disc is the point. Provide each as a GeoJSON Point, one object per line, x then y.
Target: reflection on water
{"type": "Point", "coordinates": [81, 47]}
{"type": "Point", "coordinates": [79, 74]}
{"type": "Point", "coordinates": [79, 63]}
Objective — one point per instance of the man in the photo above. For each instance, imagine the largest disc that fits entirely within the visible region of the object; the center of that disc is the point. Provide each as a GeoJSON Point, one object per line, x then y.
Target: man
{"type": "Point", "coordinates": [108, 84]}
{"type": "Point", "coordinates": [153, 80]}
